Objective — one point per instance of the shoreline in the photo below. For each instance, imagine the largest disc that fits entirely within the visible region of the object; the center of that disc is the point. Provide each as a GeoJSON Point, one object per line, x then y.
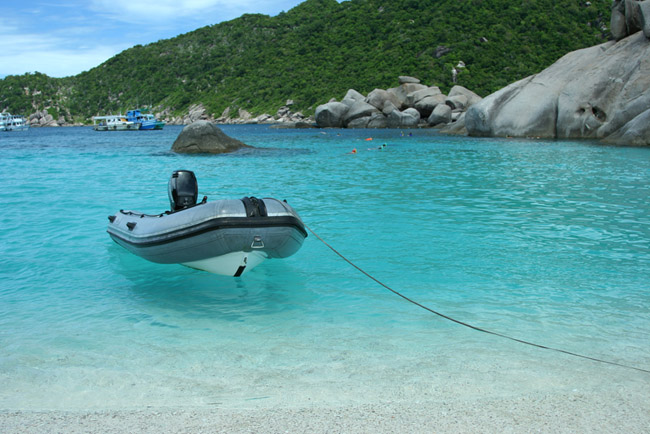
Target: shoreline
{"type": "Point", "coordinates": [565, 413]}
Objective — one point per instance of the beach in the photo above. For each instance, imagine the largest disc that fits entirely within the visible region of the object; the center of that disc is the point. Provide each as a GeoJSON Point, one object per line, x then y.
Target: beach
{"type": "Point", "coordinates": [571, 413]}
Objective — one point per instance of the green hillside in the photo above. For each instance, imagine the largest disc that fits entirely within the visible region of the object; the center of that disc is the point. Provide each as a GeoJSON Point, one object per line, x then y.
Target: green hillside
{"type": "Point", "coordinates": [317, 51]}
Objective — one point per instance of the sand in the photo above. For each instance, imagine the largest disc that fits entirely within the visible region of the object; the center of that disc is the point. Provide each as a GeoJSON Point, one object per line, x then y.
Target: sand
{"type": "Point", "coordinates": [571, 413]}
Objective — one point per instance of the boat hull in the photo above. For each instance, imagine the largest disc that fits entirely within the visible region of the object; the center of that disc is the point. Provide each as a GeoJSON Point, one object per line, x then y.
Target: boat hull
{"type": "Point", "coordinates": [149, 125]}
{"type": "Point", "coordinates": [219, 237]}
{"type": "Point", "coordinates": [117, 127]}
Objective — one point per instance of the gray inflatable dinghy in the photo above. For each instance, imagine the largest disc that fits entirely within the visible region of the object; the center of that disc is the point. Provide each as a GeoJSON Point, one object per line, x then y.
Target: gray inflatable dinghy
{"type": "Point", "coordinates": [228, 237]}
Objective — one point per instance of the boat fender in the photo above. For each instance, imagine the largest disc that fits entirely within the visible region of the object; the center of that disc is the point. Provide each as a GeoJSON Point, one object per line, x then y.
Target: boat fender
{"type": "Point", "coordinates": [254, 207]}
{"type": "Point", "coordinates": [131, 225]}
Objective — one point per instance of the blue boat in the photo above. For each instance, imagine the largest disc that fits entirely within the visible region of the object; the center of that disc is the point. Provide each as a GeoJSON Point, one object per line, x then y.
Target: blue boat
{"type": "Point", "coordinates": [147, 121]}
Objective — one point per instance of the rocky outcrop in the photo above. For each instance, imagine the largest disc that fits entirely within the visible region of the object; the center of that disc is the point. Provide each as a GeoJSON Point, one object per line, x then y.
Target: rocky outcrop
{"type": "Point", "coordinates": [629, 17]}
{"type": "Point", "coordinates": [600, 92]}
{"type": "Point", "coordinates": [197, 112]}
{"type": "Point", "coordinates": [409, 105]}
{"type": "Point", "coordinates": [203, 137]}
{"type": "Point", "coordinates": [44, 119]}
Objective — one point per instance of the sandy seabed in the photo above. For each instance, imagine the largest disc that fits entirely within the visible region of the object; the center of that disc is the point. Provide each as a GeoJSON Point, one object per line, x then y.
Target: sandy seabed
{"type": "Point", "coordinates": [573, 413]}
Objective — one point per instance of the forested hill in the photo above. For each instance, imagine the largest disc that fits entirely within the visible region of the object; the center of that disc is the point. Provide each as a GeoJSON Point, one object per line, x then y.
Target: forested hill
{"type": "Point", "coordinates": [320, 49]}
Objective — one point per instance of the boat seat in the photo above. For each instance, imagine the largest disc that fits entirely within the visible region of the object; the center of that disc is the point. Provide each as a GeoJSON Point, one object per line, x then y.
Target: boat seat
{"type": "Point", "coordinates": [254, 207]}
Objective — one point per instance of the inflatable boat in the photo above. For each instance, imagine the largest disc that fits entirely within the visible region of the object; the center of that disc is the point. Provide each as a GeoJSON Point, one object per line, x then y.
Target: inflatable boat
{"type": "Point", "coordinates": [228, 237]}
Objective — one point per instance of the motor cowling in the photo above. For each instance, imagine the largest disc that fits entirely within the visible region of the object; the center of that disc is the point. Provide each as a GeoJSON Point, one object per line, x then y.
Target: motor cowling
{"type": "Point", "coordinates": [183, 190]}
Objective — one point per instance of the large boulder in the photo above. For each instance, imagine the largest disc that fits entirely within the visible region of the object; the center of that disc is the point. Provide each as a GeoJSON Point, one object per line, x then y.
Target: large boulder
{"type": "Point", "coordinates": [629, 17]}
{"type": "Point", "coordinates": [401, 92]}
{"type": "Point", "coordinates": [472, 98]}
{"type": "Point", "coordinates": [330, 115]}
{"type": "Point", "coordinates": [645, 17]}
{"type": "Point", "coordinates": [409, 118]}
{"type": "Point", "coordinates": [379, 97]}
{"type": "Point", "coordinates": [440, 115]}
{"type": "Point", "coordinates": [635, 133]}
{"type": "Point", "coordinates": [414, 97]}
{"type": "Point", "coordinates": [359, 109]}
{"type": "Point", "coordinates": [351, 97]}
{"type": "Point", "coordinates": [597, 92]}
{"type": "Point", "coordinates": [203, 137]}
{"type": "Point", "coordinates": [426, 105]}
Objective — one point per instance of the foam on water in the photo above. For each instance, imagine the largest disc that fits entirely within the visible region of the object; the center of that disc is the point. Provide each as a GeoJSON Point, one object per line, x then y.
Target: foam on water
{"type": "Point", "coordinates": [546, 241]}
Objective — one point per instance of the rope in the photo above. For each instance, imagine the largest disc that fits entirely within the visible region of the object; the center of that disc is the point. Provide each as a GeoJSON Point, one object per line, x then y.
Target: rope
{"type": "Point", "coordinates": [473, 327]}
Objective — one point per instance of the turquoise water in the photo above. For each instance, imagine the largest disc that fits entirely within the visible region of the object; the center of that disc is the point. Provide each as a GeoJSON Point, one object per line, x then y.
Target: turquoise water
{"type": "Point", "coordinates": [545, 241]}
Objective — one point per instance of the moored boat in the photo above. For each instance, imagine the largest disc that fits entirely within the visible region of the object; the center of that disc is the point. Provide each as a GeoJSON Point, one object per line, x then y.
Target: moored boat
{"type": "Point", "coordinates": [9, 122]}
{"type": "Point", "coordinates": [228, 236]}
{"type": "Point", "coordinates": [147, 121]}
{"type": "Point", "coordinates": [113, 123]}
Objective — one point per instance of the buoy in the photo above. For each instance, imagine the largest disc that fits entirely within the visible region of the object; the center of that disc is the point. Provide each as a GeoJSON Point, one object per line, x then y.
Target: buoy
{"type": "Point", "coordinates": [368, 139]}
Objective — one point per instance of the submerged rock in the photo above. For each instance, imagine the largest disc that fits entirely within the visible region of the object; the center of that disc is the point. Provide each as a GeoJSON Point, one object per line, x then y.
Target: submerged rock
{"type": "Point", "coordinates": [203, 137]}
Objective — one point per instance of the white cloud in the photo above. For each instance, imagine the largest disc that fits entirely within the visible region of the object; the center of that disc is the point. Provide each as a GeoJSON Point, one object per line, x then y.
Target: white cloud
{"type": "Point", "coordinates": [51, 55]}
{"type": "Point", "coordinates": [169, 10]}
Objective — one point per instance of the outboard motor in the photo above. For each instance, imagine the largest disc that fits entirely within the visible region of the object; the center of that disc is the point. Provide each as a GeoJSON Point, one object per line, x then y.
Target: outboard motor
{"type": "Point", "coordinates": [183, 190]}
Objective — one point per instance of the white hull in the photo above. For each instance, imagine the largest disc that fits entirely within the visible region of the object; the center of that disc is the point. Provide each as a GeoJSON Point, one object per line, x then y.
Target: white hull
{"type": "Point", "coordinates": [231, 264]}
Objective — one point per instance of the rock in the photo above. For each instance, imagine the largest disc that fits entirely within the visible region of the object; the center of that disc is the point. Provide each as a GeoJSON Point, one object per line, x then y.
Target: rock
{"type": "Point", "coordinates": [203, 137]}
{"type": "Point", "coordinates": [330, 115]}
{"type": "Point", "coordinates": [400, 107]}
{"type": "Point", "coordinates": [379, 97]}
{"type": "Point", "coordinates": [617, 22]}
{"type": "Point", "coordinates": [633, 17]}
{"type": "Point", "coordinates": [409, 118]}
{"type": "Point", "coordinates": [351, 97]}
{"type": "Point", "coordinates": [426, 105]}
{"type": "Point", "coordinates": [361, 122]}
{"type": "Point", "coordinates": [472, 98]}
{"type": "Point", "coordinates": [457, 102]}
{"type": "Point", "coordinates": [225, 115]}
{"type": "Point", "coordinates": [196, 112]}
{"type": "Point", "coordinates": [629, 17]}
{"type": "Point", "coordinates": [441, 115]}
{"type": "Point", "coordinates": [244, 115]}
{"type": "Point", "coordinates": [358, 110]}
{"type": "Point", "coordinates": [403, 79]}
{"type": "Point", "coordinates": [403, 90]}
{"type": "Point", "coordinates": [388, 108]}
{"type": "Point", "coordinates": [441, 50]}
{"type": "Point", "coordinates": [596, 92]}
{"type": "Point", "coordinates": [636, 132]}
{"type": "Point", "coordinates": [645, 17]}
{"type": "Point", "coordinates": [378, 120]}
{"type": "Point", "coordinates": [457, 127]}
{"type": "Point", "coordinates": [263, 119]}
{"type": "Point", "coordinates": [414, 97]}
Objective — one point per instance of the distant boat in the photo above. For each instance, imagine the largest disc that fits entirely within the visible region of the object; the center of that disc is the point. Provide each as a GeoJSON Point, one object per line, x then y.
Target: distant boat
{"type": "Point", "coordinates": [113, 123]}
{"type": "Point", "coordinates": [147, 121]}
{"type": "Point", "coordinates": [9, 122]}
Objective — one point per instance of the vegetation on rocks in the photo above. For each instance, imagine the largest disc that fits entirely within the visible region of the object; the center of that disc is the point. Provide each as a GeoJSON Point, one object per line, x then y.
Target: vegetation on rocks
{"type": "Point", "coordinates": [319, 50]}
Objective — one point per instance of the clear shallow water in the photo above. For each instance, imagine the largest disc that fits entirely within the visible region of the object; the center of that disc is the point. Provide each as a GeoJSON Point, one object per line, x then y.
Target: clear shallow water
{"type": "Point", "coordinates": [545, 241]}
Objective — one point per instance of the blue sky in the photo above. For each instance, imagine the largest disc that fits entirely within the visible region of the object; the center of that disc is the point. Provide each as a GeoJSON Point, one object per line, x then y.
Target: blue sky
{"type": "Point", "coordinates": [65, 37]}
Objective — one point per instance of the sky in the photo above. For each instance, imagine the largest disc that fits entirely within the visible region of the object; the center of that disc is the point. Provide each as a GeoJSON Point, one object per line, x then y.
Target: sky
{"type": "Point", "coordinates": [66, 37]}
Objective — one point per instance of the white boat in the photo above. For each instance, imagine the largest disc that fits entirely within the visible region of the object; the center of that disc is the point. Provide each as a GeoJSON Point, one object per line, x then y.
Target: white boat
{"type": "Point", "coordinates": [228, 236]}
{"type": "Point", "coordinates": [113, 123]}
{"type": "Point", "coordinates": [9, 122]}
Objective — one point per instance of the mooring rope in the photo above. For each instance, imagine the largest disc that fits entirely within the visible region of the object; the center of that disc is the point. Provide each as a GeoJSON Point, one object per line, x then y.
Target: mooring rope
{"type": "Point", "coordinates": [464, 324]}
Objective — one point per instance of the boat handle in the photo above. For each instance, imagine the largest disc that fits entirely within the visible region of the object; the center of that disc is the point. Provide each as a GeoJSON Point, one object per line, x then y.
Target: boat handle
{"type": "Point", "coordinates": [257, 242]}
